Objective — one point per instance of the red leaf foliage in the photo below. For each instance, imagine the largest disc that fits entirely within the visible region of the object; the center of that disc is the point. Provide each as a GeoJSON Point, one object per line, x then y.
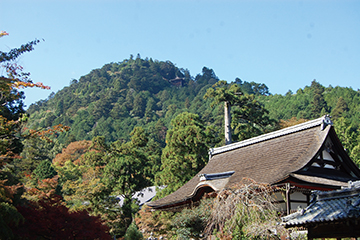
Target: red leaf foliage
{"type": "Point", "coordinates": [52, 220]}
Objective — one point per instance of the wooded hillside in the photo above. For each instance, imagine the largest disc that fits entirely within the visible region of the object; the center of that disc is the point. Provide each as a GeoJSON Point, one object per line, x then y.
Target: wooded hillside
{"type": "Point", "coordinates": [143, 122]}
{"type": "Point", "coordinates": [83, 154]}
{"type": "Point", "coordinates": [112, 100]}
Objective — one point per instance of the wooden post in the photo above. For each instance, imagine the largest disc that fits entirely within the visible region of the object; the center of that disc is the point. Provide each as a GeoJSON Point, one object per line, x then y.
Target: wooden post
{"type": "Point", "coordinates": [288, 203]}
{"type": "Point", "coordinates": [307, 199]}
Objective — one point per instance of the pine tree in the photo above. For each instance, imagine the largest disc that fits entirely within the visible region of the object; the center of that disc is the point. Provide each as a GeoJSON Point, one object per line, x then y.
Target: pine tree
{"type": "Point", "coordinates": [44, 170]}
{"type": "Point", "coordinates": [187, 144]}
{"type": "Point", "coordinates": [318, 103]}
{"type": "Point", "coordinates": [340, 108]}
{"type": "Point", "coordinates": [249, 117]}
{"type": "Point", "coordinates": [133, 233]}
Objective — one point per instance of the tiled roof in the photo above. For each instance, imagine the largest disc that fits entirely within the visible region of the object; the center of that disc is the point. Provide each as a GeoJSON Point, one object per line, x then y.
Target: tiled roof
{"type": "Point", "coordinates": [328, 206]}
{"type": "Point", "coordinates": [269, 158]}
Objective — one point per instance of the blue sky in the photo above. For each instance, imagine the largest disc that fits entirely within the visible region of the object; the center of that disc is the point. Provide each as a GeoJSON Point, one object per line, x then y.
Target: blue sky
{"type": "Point", "coordinates": [284, 44]}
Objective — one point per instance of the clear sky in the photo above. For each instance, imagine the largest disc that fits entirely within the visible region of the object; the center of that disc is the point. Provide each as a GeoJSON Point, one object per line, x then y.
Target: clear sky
{"type": "Point", "coordinates": [284, 44]}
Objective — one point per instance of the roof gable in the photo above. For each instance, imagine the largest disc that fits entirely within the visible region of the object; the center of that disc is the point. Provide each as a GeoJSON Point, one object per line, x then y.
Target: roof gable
{"type": "Point", "coordinates": [331, 161]}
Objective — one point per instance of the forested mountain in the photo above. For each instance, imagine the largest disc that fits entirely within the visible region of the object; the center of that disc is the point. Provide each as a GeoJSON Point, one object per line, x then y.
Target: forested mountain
{"type": "Point", "coordinates": [133, 124]}
{"type": "Point", "coordinates": [144, 122]}
{"type": "Point", "coordinates": [112, 100]}
{"type": "Point", "coordinates": [314, 101]}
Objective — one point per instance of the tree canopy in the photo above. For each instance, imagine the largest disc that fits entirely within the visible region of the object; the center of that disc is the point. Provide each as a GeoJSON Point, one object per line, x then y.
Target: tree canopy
{"type": "Point", "coordinates": [185, 153]}
{"type": "Point", "coordinates": [31, 215]}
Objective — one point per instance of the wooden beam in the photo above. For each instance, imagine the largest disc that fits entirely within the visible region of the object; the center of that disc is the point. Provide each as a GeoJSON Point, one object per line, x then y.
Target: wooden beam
{"type": "Point", "coordinates": [288, 200]}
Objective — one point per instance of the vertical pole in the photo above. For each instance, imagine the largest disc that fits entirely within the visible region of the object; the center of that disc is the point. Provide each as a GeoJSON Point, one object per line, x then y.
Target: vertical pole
{"type": "Point", "coordinates": [307, 199]}
{"type": "Point", "coordinates": [288, 200]}
{"type": "Point", "coordinates": [227, 118]}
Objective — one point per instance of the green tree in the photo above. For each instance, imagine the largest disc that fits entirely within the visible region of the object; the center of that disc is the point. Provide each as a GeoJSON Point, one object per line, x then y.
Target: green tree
{"type": "Point", "coordinates": [208, 76]}
{"type": "Point", "coordinates": [190, 223]}
{"type": "Point", "coordinates": [44, 170]}
{"type": "Point", "coordinates": [249, 115]}
{"type": "Point", "coordinates": [230, 95]}
{"type": "Point", "coordinates": [318, 103]}
{"type": "Point", "coordinates": [138, 106]}
{"type": "Point", "coordinates": [355, 154]}
{"type": "Point", "coordinates": [35, 151]}
{"type": "Point", "coordinates": [125, 173]}
{"type": "Point", "coordinates": [187, 144]}
{"type": "Point", "coordinates": [133, 233]}
{"type": "Point", "coordinates": [250, 119]}
{"type": "Point", "coordinates": [347, 134]}
{"type": "Point", "coordinates": [340, 108]}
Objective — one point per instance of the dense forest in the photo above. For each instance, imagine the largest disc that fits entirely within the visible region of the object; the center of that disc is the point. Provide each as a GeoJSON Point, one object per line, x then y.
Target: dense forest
{"type": "Point", "coordinates": [148, 93]}
{"type": "Point", "coordinates": [112, 100]}
{"type": "Point", "coordinates": [130, 125]}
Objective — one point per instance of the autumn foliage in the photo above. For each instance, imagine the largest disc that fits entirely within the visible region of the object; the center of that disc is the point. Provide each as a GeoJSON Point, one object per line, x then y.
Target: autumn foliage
{"type": "Point", "coordinates": [45, 134]}
{"type": "Point", "coordinates": [42, 214]}
{"type": "Point", "coordinates": [72, 152]}
{"type": "Point", "coordinates": [50, 219]}
{"type": "Point", "coordinates": [47, 217]}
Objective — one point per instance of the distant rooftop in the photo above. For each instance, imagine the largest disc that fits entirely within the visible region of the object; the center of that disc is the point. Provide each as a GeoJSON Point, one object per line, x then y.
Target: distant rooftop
{"type": "Point", "coordinates": [328, 206]}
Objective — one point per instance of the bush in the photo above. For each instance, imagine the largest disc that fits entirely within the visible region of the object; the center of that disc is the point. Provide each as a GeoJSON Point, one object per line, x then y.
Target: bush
{"type": "Point", "coordinates": [133, 233]}
{"type": "Point", "coordinates": [190, 223]}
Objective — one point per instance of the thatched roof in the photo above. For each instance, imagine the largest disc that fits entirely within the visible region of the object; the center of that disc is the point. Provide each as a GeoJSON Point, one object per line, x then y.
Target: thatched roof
{"type": "Point", "coordinates": [281, 156]}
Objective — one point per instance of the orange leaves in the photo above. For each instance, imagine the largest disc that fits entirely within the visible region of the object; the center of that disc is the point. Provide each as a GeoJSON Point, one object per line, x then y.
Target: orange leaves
{"type": "Point", "coordinates": [72, 152]}
{"type": "Point", "coordinates": [45, 190]}
{"type": "Point", "coordinates": [50, 131]}
{"type": "Point", "coordinates": [7, 192]}
{"type": "Point", "coordinates": [16, 78]}
{"type": "Point", "coordinates": [21, 84]}
{"type": "Point", "coordinates": [3, 33]}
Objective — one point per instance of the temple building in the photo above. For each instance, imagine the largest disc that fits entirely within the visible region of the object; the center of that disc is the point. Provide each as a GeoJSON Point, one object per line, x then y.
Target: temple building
{"type": "Point", "coordinates": [295, 160]}
{"type": "Point", "coordinates": [331, 214]}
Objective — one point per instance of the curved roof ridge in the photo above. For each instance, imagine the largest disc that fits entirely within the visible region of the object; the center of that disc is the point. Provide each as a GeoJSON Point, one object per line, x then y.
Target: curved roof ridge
{"type": "Point", "coordinates": [324, 120]}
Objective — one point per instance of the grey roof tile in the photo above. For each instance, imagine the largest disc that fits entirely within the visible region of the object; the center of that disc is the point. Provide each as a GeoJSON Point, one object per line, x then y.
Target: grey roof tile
{"type": "Point", "coordinates": [327, 207]}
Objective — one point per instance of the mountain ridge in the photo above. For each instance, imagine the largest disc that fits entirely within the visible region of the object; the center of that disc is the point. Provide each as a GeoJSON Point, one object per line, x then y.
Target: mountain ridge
{"type": "Point", "coordinates": [113, 99]}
